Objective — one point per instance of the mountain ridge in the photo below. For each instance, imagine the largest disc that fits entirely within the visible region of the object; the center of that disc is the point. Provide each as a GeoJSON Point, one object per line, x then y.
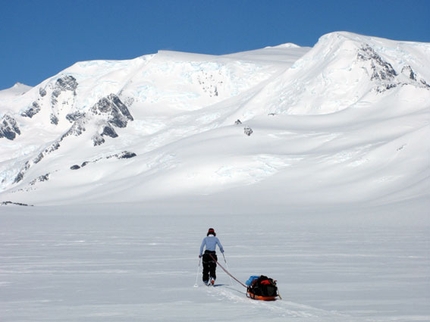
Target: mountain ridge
{"type": "Point", "coordinates": [201, 126]}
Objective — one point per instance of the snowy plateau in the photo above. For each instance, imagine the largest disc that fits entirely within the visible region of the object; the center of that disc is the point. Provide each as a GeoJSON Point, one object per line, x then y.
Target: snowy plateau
{"type": "Point", "coordinates": [312, 164]}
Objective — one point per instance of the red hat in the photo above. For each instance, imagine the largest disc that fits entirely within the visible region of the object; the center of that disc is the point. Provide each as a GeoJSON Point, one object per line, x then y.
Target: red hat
{"type": "Point", "coordinates": [211, 231]}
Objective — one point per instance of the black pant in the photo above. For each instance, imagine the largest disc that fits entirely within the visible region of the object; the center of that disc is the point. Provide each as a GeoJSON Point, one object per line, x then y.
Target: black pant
{"type": "Point", "coordinates": [209, 265]}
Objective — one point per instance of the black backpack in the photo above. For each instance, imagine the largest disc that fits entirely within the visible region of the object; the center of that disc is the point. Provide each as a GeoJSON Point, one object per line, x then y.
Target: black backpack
{"type": "Point", "coordinates": [263, 286]}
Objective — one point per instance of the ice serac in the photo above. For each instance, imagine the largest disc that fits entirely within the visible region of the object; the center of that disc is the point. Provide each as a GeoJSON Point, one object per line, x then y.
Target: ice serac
{"type": "Point", "coordinates": [282, 125]}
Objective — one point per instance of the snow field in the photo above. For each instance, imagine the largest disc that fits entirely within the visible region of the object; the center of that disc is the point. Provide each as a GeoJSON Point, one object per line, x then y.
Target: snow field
{"type": "Point", "coordinates": [122, 263]}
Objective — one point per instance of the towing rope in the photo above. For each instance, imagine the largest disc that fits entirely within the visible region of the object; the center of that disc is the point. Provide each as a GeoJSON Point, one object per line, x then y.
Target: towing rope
{"type": "Point", "coordinates": [227, 272]}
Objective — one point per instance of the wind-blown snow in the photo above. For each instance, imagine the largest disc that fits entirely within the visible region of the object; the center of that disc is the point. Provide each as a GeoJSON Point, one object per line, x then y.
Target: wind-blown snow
{"type": "Point", "coordinates": [313, 163]}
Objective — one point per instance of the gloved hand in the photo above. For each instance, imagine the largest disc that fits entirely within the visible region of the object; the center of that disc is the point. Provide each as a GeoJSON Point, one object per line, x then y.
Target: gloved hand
{"type": "Point", "coordinates": [200, 256]}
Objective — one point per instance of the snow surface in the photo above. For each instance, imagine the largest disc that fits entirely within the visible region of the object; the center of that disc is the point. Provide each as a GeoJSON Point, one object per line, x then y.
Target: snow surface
{"type": "Point", "coordinates": [119, 263]}
{"type": "Point", "coordinates": [329, 194]}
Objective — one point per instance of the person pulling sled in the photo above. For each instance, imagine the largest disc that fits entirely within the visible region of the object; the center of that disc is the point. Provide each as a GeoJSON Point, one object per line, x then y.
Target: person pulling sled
{"type": "Point", "coordinates": [209, 257]}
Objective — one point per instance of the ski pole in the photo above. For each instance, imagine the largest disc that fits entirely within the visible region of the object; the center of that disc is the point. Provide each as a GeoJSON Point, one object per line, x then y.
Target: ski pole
{"type": "Point", "coordinates": [279, 294]}
{"type": "Point", "coordinates": [197, 274]}
{"type": "Point", "coordinates": [225, 261]}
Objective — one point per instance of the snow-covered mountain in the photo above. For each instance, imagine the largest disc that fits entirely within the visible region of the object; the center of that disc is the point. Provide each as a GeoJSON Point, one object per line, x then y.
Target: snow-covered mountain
{"type": "Point", "coordinates": [344, 122]}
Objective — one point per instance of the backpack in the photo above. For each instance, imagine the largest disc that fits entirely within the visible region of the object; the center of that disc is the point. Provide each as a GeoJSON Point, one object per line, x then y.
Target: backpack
{"type": "Point", "coordinates": [261, 286]}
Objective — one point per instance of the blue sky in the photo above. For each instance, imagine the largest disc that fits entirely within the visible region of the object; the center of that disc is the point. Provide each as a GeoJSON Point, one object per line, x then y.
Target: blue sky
{"type": "Point", "coordinates": [38, 39]}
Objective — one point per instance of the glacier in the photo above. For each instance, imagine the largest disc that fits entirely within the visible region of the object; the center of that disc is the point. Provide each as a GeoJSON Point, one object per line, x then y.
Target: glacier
{"type": "Point", "coordinates": [350, 112]}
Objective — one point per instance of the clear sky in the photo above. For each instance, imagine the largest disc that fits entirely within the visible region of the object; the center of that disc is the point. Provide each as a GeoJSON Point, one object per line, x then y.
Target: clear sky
{"type": "Point", "coordinates": [39, 38]}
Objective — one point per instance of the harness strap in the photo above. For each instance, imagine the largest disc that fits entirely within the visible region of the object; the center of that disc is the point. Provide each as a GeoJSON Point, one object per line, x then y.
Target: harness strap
{"type": "Point", "coordinates": [228, 273]}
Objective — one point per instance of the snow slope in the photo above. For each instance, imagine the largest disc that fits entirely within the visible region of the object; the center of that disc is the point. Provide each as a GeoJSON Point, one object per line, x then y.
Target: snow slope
{"type": "Point", "coordinates": [349, 114]}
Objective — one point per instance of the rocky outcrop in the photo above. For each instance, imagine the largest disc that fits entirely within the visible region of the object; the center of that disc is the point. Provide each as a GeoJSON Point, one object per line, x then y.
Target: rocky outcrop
{"type": "Point", "coordinates": [98, 140]}
{"type": "Point", "coordinates": [63, 84]}
{"type": "Point", "coordinates": [31, 110]}
{"type": "Point", "coordinates": [63, 96]}
{"type": "Point", "coordinates": [380, 69]}
{"type": "Point", "coordinates": [125, 155]}
{"type": "Point", "coordinates": [383, 73]}
{"type": "Point", "coordinates": [77, 128]}
{"type": "Point", "coordinates": [247, 130]}
{"type": "Point", "coordinates": [41, 178]}
{"type": "Point", "coordinates": [114, 110]}
{"type": "Point", "coordinates": [109, 131]}
{"type": "Point", "coordinates": [8, 128]}
{"type": "Point", "coordinates": [72, 117]}
{"type": "Point", "coordinates": [114, 114]}
{"type": "Point", "coordinates": [413, 77]}
{"type": "Point", "coordinates": [109, 112]}
{"type": "Point", "coordinates": [52, 147]}
{"type": "Point", "coordinates": [5, 203]}
{"type": "Point", "coordinates": [121, 155]}
{"type": "Point", "coordinates": [209, 83]}
{"type": "Point", "coordinates": [66, 83]}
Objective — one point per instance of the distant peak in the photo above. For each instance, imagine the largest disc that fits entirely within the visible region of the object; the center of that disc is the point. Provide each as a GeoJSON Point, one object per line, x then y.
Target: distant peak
{"type": "Point", "coordinates": [287, 45]}
{"type": "Point", "coordinates": [18, 88]}
{"type": "Point", "coordinates": [340, 35]}
{"type": "Point", "coordinates": [19, 85]}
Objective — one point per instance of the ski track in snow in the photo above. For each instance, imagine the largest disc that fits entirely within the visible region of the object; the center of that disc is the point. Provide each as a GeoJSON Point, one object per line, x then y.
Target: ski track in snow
{"type": "Point", "coordinates": [95, 264]}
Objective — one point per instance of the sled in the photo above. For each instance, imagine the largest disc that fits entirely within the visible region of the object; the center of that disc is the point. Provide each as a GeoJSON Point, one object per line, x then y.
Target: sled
{"type": "Point", "coordinates": [262, 288]}
{"type": "Point", "coordinates": [261, 297]}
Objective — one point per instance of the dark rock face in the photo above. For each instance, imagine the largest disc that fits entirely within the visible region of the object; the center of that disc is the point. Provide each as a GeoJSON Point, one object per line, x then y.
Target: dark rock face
{"type": "Point", "coordinates": [32, 110]}
{"type": "Point", "coordinates": [383, 73]}
{"type": "Point", "coordinates": [121, 155]}
{"type": "Point", "coordinates": [63, 84]}
{"type": "Point", "coordinates": [72, 117]}
{"type": "Point", "coordinates": [108, 113]}
{"type": "Point", "coordinates": [126, 155]}
{"type": "Point", "coordinates": [407, 70]}
{"type": "Point", "coordinates": [21, 172]}
{"type": "Point", "coordinates": [5, 203]}
{"type": "Point", "coordinates": [116, 112]}
{"type": "Point", "coordinates": [51, 148]}
{"type": "Point", "coordinates": [98, 140]}
{"type": "Point", "coordinates": [41, 178]}
{"type": "Point", "coordinates": [109, 131]}
{"type": "Point", "coordinates": [42, 92]}
{"type": "Point", "coordinates": [54, 119]}
{"type": "Point", "coordinates": [381, 70]}
{"type": "Point", "coordinates": [66, 83]}
{"type": "Point", "coordinates": [414, 78]}
{"type": "Point", "coordinates": [8, 128]}
{"type": "Point", "coordinates": [77, 128]}
{"type": "Point", "coordinates": [248, 131]}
